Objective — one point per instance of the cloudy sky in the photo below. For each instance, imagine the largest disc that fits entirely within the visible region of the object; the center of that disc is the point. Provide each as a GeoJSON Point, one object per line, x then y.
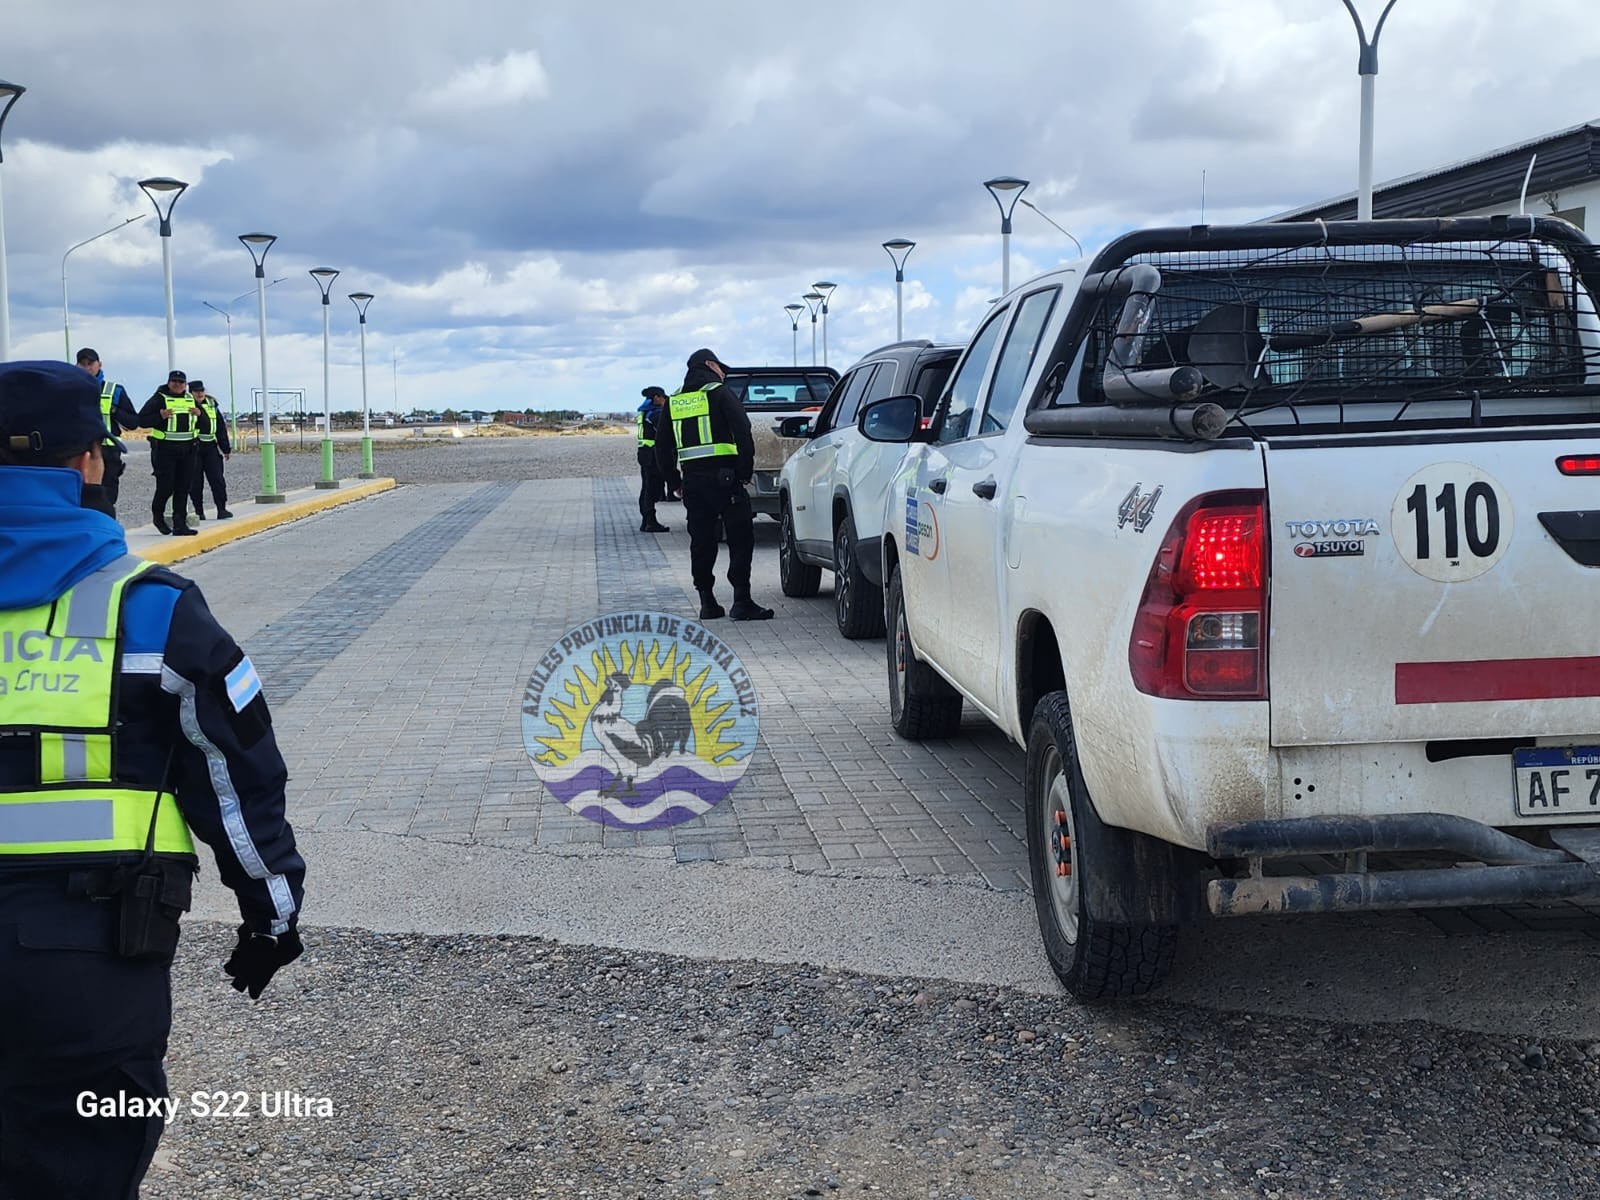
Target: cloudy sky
{"type": "Point", "coordinates": [555, 201]}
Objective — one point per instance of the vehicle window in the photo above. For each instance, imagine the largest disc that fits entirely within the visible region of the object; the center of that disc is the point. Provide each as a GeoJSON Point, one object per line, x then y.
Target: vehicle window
{"type": "Point", "coordinates": [930, 383]}
{"type": "Point", "coordinates": [779, 391]}
{"type": "Point", "coordinates": [822, 384]}
{"type": "Point", "coordinates": [968, 379]}
{"type": "Point", "coordinates": [1016, 359]}
{"type": "Point", "coordinates": [883, 384]}
{"type": "Point", "coordinates": [853, 387]}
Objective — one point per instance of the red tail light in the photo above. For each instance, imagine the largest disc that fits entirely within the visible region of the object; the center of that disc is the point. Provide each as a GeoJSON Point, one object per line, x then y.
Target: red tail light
{"type": "Point", "coordinates": [1579, 464]}
{"type": "Point", "coordinates": [1200, 630]}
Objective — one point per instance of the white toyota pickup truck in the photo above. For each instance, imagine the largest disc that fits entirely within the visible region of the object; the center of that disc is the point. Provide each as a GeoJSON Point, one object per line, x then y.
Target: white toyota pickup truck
{"type": "Point", "coordinates": [1278, 548]}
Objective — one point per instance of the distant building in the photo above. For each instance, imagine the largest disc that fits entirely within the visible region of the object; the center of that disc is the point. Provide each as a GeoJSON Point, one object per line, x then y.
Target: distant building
{"type": "Point", "coordinates": [1565, 183]}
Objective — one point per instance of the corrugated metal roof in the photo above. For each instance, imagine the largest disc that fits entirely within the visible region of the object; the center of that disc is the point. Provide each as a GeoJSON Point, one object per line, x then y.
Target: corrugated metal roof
{"type": "Point", "coordinates": [1567, 157]}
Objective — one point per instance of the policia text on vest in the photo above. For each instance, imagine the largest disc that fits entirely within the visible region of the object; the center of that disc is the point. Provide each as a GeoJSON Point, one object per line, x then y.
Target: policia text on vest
{"type": "Point", "coordinates": [173, 421]}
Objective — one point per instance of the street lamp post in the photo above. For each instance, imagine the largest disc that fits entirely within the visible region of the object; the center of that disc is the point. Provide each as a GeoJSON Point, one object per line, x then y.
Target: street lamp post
{"type": "Point", "coordinates": [227, 315]}
{"type": "Point", "coordinates": [361, 300]}
{"type": "Point", "coordinates": [813, 299]}
{"type": "Point", "coordinates": [171, 189]}
{"type": "Point", "coordinates": [826, 289]}
{"type": "Point", "coordinates": [794, 311]}
{"type": "Point", "coordinates": [258, 244]}
{"type": "Point", "coordinates": [1054, 222]}
{"type": "Point", "coordinates": [899, 250]}
{"type": "Point", "coordinates": [1367, 67]}
{"type": "Point", "coordinates": [1009, 187]}
{"type": "Point", "coordinates": [325, 277]}
{"type": "Point", "coordinates": [66, 321]}
{"type": "Point", "coordinates": [9, 92]}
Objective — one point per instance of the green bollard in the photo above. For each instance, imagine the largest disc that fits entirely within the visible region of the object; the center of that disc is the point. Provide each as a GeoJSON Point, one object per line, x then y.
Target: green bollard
{"type": "Point", "coordinates": [327, 480]}
{"type": "Point", "coordinates": [366, 459]}
{"type": "Point", "coordinates": [269, 475]}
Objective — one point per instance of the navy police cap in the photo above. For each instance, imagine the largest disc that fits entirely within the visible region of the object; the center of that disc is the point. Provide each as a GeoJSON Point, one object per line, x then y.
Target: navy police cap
{"type": "Point", "coordinates": [49, 408]}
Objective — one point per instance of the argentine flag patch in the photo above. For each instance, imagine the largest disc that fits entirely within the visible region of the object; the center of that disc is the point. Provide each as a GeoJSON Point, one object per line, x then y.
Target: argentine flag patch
{"type": "Point", "coordinates": [244, 685]}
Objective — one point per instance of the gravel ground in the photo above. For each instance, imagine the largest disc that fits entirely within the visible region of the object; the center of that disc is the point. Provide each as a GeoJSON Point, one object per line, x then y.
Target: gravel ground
{"type": "Point", "coordinates": [481, 1066]}
{"type": "Point", "coordinates": [464, 460]}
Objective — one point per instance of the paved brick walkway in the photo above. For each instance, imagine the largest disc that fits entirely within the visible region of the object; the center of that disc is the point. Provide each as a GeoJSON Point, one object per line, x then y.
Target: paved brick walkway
{"type": "Point", "coordinates": [396, 636]}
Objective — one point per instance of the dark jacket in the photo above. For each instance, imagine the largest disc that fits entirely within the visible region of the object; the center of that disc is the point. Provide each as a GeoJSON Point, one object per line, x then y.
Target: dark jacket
{"type": "Point", "coordinates": [173, 696]}
{"type": "Point", "coordinates": [202, 424]}
{"type": "Point", "coordinates": [150, 414]}
{"type": "Point", "coordinates": [123, 415]}
{"type": "Point", "coordinates": [729, 423]}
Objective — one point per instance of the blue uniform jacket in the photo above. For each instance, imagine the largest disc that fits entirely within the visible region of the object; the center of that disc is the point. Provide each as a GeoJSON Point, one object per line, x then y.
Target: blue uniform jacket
{"type": "Point", "coordinates": [186, 691]}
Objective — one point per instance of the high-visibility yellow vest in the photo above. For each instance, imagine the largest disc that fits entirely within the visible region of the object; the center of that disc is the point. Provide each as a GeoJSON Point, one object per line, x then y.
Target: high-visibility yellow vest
{"type": "Point", "coordinates": [209, 409]}
{"type": "Point", "coordinates": [108, 393]}
{"type": "Point", "coordinates": [58, 672]}
{"type": "Point", "coordinates": [691, 422]}
{"type": "Point", "coordinates": [180, 425]}
{"type": "Point", "coordinates": [647, 429]}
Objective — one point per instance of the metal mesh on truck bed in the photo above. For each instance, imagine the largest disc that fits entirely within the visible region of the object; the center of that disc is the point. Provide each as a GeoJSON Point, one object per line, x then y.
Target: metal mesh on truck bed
{"type": "Point", "coordinates": [1434, 328]}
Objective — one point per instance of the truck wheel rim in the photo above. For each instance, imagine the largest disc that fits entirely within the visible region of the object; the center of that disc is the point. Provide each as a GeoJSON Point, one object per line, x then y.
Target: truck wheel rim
{"type": "Point", "coordinates": [1056, 813]}
{"type": "Point", "coordinates": [841, 572]}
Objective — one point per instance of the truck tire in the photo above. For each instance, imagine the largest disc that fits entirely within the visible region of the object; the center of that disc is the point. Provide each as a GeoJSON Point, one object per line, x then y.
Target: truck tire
{"type": "Point", "coordinates": [795, 577]}
{"type": "Point", "coordinates": [857, 601]}
{"type": "Point", "coordinates": [921, 704]}
{"type": "Point", "coordinates": [1094, 892]}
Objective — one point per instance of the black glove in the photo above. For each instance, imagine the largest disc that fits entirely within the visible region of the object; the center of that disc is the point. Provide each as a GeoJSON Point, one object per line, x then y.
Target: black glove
{"type": "Point", "coordinates": [257, 958]}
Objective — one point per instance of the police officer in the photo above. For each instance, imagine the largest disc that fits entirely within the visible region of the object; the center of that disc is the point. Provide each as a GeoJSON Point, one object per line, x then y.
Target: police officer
{"type": "Point", "coordinates": [117, 409]}
{"type": "Point", "coordinates": [704, 445]}
{"type": "Point", "coordinates": [169, 415]}
{"type": "Point", "coordinates": [212, 449]}
{"type": "Point", "coordinates": [128, 719]}
{"type": "Point", "coordinates": [651, 481]}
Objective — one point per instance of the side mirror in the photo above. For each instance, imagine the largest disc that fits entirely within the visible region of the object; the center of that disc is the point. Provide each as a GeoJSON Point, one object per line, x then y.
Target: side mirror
{"type": "Point", "coordinates": [893, 419]}
{"type": "Point", "coordinates": [793, 427]}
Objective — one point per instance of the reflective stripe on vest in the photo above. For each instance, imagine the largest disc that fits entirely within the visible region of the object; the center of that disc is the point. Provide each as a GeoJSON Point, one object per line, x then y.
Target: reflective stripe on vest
{"type": "Point", "coordinates": [646, 432]}
{"type": "Point", "coordinates": [209, 433]}
{"type": "Point", "coordinates": [180, 425]}
{"type": "Point", "coordinates": [58, 675]}
{"type": "Point", "coordinates": [691, 412]}
{"type": "Point", "coordinates": [108, 393]}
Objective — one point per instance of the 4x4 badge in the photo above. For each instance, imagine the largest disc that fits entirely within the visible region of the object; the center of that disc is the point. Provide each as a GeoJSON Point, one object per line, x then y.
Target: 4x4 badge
{"type": "Point", "coordinates": [1138, 509]}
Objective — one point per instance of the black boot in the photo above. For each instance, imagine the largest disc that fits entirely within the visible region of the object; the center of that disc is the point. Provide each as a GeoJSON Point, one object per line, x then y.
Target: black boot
{"type": "Point", "coordinates": [651, 525]}
{"type": "Point", "coordinates": [199, 514]}
{"type": "Point", "coordinates": [223, 514]}
{"type": "Point", "coordinates": [160, 522]}
{"type": "Point", "coordinates": [710, 610]}
{"type": "Point", "coordinates": [746, 609]}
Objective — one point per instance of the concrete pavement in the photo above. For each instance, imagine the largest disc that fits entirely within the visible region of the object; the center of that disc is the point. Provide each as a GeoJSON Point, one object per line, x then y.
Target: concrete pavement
{"type": "Point", "coordinates": [395, 639]}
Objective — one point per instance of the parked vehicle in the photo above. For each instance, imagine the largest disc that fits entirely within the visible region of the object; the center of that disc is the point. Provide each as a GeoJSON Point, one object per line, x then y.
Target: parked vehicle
{"type": "Point", "coordinates": [1276, 546]}
{"type": "Point", "coordinates": [830, 494]}
{"type": "Point", "coordinates": [771, 394]}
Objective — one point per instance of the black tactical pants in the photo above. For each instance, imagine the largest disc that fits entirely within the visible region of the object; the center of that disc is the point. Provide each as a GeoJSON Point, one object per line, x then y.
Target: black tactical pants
{"type": "Point", "coordinates": [651, 485]}
{"type": "Point", "coordinates": [174, 467]}
{"type": "Point", "coordinates": [710, 493]}
{"type": "Point", "coordinates": [208, 469]}
{"type": "Point", "coordinates": [74, 1019]}
{"type": "Point", "coordinates": [114, 467]}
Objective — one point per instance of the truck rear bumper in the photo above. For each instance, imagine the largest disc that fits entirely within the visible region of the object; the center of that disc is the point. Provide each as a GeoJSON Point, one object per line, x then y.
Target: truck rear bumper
{"type": "Point", "coordinates": [1500, 868]}
{"type": "Point", "coordinates": [764, 492]}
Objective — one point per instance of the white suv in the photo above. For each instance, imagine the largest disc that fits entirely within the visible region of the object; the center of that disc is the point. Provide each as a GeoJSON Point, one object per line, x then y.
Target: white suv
{"type": "Point", "coordinates": [831, 493]}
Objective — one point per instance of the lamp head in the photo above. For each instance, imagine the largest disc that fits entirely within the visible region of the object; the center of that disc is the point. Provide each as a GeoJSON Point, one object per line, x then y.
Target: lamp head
{"type": "Point", "coordinates": [813, 299]}
{"type": "Point", "coordinates": [159, 187]}
{"type": "Point", "coordinates": [8, 96]}
{"type": "Point", "coordinates": [258, 244]}
{"type": "Point", "coordinates": [324, 277]}
{"type": "Point", "coordinates": [899, 250]}
{"type": "Point", "coordinates": [361, 300]}
{"type": "Point", "coordinates": [1006, 190]}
